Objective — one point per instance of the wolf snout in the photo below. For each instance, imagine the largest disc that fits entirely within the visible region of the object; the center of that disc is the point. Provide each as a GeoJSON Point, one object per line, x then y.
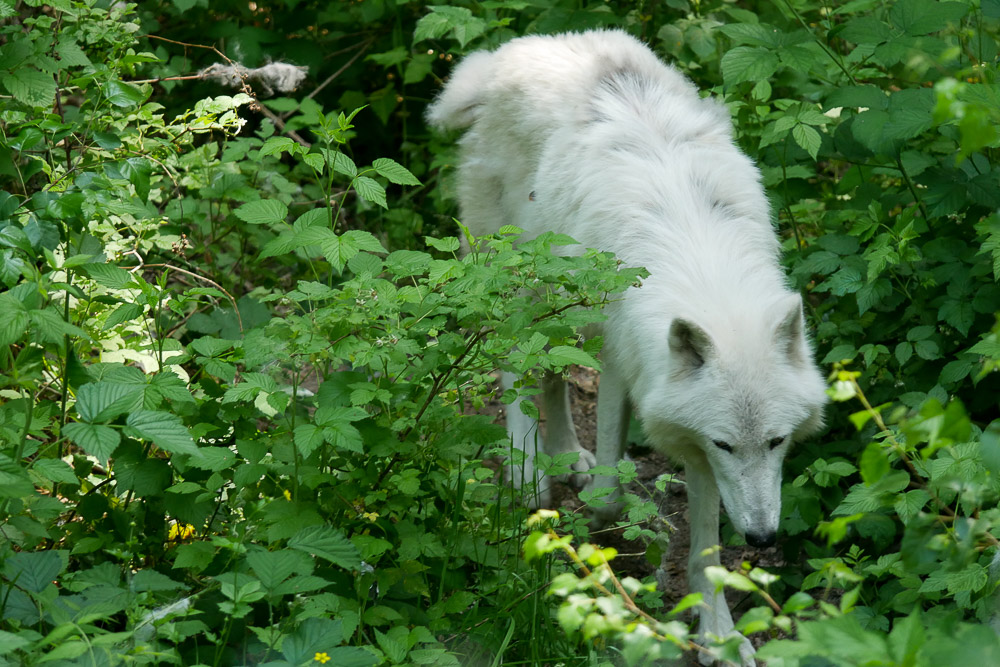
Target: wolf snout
{"type": "Point", "coordinates": [761, 540]}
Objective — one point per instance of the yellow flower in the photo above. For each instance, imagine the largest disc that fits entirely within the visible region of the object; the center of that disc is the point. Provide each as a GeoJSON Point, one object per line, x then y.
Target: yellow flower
{"type": "Point", "coordinates": [178, 531]}
{"type": "Point", "coordinates": [288, 496]}
{"type": "Point", "coordinates": [321, 658]}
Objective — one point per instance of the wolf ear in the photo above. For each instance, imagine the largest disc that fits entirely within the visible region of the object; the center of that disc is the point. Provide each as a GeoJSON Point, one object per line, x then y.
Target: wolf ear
{"type": "Point", "coordinates": [789, 335]}
{"type": "Point", "coordinates": [690, 344]}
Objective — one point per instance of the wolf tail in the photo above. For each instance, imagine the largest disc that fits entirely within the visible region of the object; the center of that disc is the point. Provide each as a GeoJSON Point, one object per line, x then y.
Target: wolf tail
{"type": "Point", "coordinates": [456, 107]}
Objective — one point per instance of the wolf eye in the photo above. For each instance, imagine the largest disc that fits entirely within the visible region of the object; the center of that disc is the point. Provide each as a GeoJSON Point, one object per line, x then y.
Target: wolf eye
{"type": "Point", "coordinates": [724, 446]}
{"type": "Point", "coordinates": [776, 442]}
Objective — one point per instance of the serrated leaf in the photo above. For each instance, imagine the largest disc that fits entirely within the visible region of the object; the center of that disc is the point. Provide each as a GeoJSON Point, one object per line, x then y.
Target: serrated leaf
{"type": "Point", "coordinates": [328, 544]}
{"type": "Point", "coordinates": [262, 212]}
{"type": "Point", "coordinates": [34, 571]}
{"type": "Point", "coordinates": [447, 244]}
{"type": "Point", "coordinates": [808, 138]}
{"type": "Point", "coordinates": [277, 146]}
{"type": "Point", "coordinates": [55, 470]}
{"type": "Point", "coordinates": [273, 567]}
{"type": "Point", "coordinates": [108, 275]}
{"type": "Point", "coordinates": [103, 401]}
{"type": "Point", "coordinates": [123, 94]}
{"type": "Point", "coordinates": [98, 441]}
{"type": "Point", "coordinates": [369, 190]}
{"type": "Point", "coordinates": [215, 459]}
{"type": "Point", "coordinates": [163, 429]}
{"type": "Point", "coordinates": [395, 172]}
{"type": "Point", "coordinates": [151, 580]}
{"type": "Point", "coordinates": [13, 324]}
{"type": "Point", "coordinates": [342, 164]}
{"type": "Point", "coordinates": [564, 355]}
{"type": "Point", "coordinates": [123, 313]}
{"type": "Point", "coordinates": [748, 63]}
{"type": "Point", "coordinates": [922, 17]}
{"type": "Point", "coordinates": [339, 249]}
{"type": "Point", "coordinates": [30, 86]}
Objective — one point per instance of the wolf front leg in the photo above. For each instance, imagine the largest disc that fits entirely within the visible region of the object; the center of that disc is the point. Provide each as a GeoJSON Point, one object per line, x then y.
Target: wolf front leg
{"type": "Point", "coordinates": [703, 508]}
{"type": "Point", "coordinates": [525, 437]}
{"type": "Point", "coordinates": [612, 431]}
{"type": "Point", "coordinates": [560, 433]}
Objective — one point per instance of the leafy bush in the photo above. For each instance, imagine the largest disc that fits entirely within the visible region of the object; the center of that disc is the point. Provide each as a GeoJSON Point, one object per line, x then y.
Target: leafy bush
{"type": "Point", "coordinates": [237, 428]}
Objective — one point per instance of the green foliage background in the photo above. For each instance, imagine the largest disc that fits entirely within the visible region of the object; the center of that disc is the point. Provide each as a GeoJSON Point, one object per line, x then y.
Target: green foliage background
{"type": "Point", "coordinates": [241, 355]}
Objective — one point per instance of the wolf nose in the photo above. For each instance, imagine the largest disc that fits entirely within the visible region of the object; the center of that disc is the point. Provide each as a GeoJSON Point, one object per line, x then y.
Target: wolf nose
{"type": "Point", "coordinates": [761, 540]}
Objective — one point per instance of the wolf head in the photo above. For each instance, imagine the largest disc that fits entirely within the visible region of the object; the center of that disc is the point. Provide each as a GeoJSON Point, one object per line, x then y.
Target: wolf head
{"type": "Point", "coordinates": [736, 399]}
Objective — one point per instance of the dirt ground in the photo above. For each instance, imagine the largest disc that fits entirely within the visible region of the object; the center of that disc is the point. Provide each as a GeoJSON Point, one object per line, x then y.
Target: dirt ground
{"type": "Point", "coordinates": [631, 561]}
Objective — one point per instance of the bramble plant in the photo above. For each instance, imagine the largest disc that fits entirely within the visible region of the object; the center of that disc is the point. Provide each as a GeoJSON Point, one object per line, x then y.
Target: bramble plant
{"type": "Point", "coordinates": [243, 358]}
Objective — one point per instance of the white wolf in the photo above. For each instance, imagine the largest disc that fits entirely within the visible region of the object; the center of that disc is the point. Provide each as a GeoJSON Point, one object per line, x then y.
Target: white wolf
{"type": "Point", "coordinates": [591, 135]}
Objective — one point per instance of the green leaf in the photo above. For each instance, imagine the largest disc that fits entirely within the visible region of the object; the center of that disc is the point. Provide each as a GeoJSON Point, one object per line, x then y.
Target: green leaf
{"type": "Point", "coordinates": [858, 97]}
{"type": "Point", "coordinates": [137, 170]}
{"type": "Point", "coordinates": [98, 441]}
{"type": "Point", "coordinates": [31, 87]}
{"type": "Point", "coordinates": [922, 17]}
{"type": "Point", "coordinates": [163, 429]}
{"type": "Point", "coordinates": [564, 355]}
{"type": "Point", "coordinates": [13, 324]}
{"type": "Point", "coordinates": [459, 21]}
{"type": "Point", "coordinates": [395, 172]}
{"type": "Point", "coordinates": [273, 567]}
{"type": "Point", "coordinates": [103, 401]}
{"type": "Point", "coordinates": [277, 146]}
{"type": "Point", "coordinates": [34, 571]}
{"type": "Point", "coordinates": [874, 463]}
{"type": "Point", "coordinates": [338, 250]}
{"type": "Point", "coordinates": [990, 447]}
{"type": "Point", "coordinates": [747, 63]}
{"type": "Point", "coordinates": [447, 244]}
{"type": "Point", "coordinates": [108, 275]}
{"type": "Point", "coordinates": [866, 30]}
{"type": "Point", "coordinates": [369, 190]}
{"type": "Point", "coordinates": [55, 470]}
{"type": "Point", "coordinates": [151, 580]}
{"type": "Point", "coordinates": [10, 642]}
{"type": "Point", "coordinates": [123, 313]}
{"type": "Point", "coordinates": [808, 138]}
{"type": "Point", "coordinates": [342, 164]}
{"type": "Point", "coordinates": [122, 94]}
{"type": "Point", "coordinates": [753, 34]}
{"type": "Point", "coordinates": [262, 212]}
{"type": "Point", "coordinates": [215, 459]}
{"type": "Point", "coordinates": [909, 504]}
{"type": "Point", "coordinates": [328, 544]}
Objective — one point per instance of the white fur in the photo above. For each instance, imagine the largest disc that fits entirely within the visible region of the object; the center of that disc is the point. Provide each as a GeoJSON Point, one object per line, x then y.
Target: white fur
{"type": "Point", "coordinates": [591, 135]}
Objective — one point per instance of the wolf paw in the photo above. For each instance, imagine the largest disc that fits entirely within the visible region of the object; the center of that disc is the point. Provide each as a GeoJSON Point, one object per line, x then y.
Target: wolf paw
{"type": "Point", "coordinates": [586, 461]}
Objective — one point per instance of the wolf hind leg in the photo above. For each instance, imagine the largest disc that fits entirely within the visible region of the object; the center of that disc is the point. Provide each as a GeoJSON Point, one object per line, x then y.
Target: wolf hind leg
{"type": "Point", "coordinates": [560, 432]}
{"type": "Point", "coordinates": [703, 508]}
{"type": "Point", "coordinates": [525, 437]}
